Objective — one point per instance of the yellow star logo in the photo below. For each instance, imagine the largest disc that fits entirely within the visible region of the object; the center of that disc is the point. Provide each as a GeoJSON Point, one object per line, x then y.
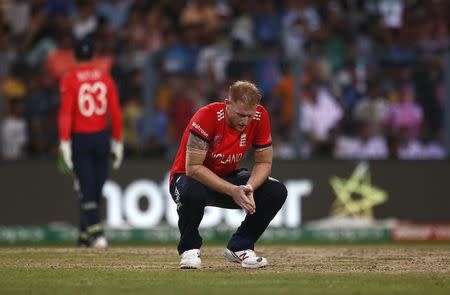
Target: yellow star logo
{"type": "Point", "coordinates": [358, 183]}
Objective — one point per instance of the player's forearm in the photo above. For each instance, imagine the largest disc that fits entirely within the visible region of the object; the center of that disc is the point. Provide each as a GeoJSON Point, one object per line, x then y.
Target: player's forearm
{"type": "Point", "coordinates": [117, 128]}
{"type": "Point", "coordinates": [205, 176]}
{"type": "Point", "coordinates": [116, 120]}
{"type": "Point", "coordinates": [260, 173]}
{"type": "Point", "coordinates": [64, 122]}
{"type": "Point", "coordinates": [65, 115]}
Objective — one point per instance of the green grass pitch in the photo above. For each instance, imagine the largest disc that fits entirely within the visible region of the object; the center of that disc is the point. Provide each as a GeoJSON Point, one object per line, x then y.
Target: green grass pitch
{"type": "Point", "coordinates": [304, 269]}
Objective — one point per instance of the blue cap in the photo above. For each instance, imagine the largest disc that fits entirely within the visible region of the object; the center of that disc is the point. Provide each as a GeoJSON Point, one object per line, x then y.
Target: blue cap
{"type": "Point", "coordinates": [84, 49]}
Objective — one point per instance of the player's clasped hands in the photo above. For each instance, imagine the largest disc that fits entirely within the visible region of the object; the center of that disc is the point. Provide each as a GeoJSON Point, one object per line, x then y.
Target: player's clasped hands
{"type": "Point", "coordinates": [243, 196]}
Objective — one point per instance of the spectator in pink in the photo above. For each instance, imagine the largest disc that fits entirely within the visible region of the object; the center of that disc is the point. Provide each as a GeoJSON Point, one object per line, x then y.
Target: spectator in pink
{"type": "Point", "coordinates": [404, 113]}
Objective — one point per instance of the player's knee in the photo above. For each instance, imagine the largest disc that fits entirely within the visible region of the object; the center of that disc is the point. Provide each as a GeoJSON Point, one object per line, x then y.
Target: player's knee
{"type": "Point", "coordinates": [88, 205]}
{"type": "Point", "coordinates": [277, 192]}
{"type": "Point", "coordinates": [281, 192]}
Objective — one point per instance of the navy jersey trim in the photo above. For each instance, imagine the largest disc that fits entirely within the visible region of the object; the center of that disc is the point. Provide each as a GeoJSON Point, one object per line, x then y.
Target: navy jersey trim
{"type": "Point", "coordinates": [199, 136]}
{"type": "Point", "coordinates": [257, 146]}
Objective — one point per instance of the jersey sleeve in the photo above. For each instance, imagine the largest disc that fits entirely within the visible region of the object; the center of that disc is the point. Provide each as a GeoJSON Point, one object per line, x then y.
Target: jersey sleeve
{"type": "Point", "coordinates": [114, 109]}
{"type": "Point", "coordinates": [263, 137]}
{"type": "Point", "coordinates": [203, 124]}
{"type": "Point", "coordinates": [65, 115]}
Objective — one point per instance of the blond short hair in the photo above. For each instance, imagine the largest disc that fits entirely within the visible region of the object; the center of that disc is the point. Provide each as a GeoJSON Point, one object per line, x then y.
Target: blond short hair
{"type": "Point", "coordinates": [244, 91]}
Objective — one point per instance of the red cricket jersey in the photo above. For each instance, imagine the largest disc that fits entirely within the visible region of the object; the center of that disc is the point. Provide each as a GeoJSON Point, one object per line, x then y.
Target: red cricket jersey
{"type": "Point", "coordinates": [227, 146]}
{"type": "Point", "coordinates": [87, 95]}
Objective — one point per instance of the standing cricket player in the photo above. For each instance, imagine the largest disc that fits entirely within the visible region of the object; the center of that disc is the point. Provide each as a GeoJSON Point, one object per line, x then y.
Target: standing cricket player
{"type": "Point", "coordinates": [87, 96]}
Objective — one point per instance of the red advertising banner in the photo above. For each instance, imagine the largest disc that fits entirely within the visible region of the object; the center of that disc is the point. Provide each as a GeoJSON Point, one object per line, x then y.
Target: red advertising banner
{"type": "Point", "coordinates": [421, 232]}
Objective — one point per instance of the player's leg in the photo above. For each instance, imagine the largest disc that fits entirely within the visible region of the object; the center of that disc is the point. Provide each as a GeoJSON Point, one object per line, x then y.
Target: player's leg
{"type": "Point", "coordinates": [83, 237]}
{"type": "Point", "coordinates": [101, 155]}
{"type": "Point", "coordinates": [190, 197]}
{"type": "Point", "coordinates": [269, 198]}
{"type": "Point", "coordinates": [84, 170]}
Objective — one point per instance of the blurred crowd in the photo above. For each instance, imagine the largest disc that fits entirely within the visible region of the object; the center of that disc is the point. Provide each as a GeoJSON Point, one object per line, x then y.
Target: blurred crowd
{"type": "Point", "coordinates": [369, 74]}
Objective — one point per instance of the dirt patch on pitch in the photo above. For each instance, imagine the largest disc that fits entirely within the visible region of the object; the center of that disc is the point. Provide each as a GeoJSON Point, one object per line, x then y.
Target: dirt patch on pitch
{"type": "Point", "coordinates": [344, 259]}
{"type": "Point", "coordinates": [357, 259]}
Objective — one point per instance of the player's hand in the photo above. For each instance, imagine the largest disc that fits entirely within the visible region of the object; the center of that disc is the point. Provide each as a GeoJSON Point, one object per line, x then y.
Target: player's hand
{"type": "Point", "coordinates": [65, 148]}
{"type": "Point", "coordinates": [248, 189]}
{"type": "Point", "coordinates": [245, 200]}
{"type": "Point", "coordinates": [117, 153]}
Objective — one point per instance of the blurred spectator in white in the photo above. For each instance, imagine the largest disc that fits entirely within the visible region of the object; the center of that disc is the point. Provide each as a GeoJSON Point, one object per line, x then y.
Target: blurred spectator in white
{"type": "Point", "coordinates": [85, 21]}
{"type": "Point", "coordinates": [367, 145]}
{"type": "Point", "coordinates": [14, 132]}
{"type": "Point", "coordinates": [115, 12]}
{"type": "Point", "coordinates": [299, 20]}
{"type": "Point", "coordinates": [16, 14]}
{"type": "Point", "coordinates": [213, 59]}
{"type": "Point", "coordinates": [392, 12]}
{"type": "Point", "coordinates": [242, 25]}
{"type": "Point", "coordinates": [319, 116]}
{"type": "Point", "coordinates": [372, 108]}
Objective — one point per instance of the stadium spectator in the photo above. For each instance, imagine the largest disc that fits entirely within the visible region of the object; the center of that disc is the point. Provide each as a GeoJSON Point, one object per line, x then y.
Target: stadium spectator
{"type": "Point", "coordinates": [14, 132]}
{"type": "Point", "coordinates": [320, 116]}
{"type": "Point", "coordinates": [213, 59]}
{"type": "Point", "coordinates": [366, 145]}
{"type": "Point", "coordinates": [403, 113]}
{"type": "Point", "coordinates": [85, 22]}
{"type": "Point", "coordinates": [372, 108]}
{"type": "Point", "coordinates": [17, 15]}
{"type": "Point", "coordinates": [115, 12]}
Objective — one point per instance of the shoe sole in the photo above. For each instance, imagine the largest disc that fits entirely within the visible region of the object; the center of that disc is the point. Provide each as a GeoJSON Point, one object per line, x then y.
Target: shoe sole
{"type": "Point", "coordinates": [254, 265]}
{"type": "Point", "coordinates": [189, 267]}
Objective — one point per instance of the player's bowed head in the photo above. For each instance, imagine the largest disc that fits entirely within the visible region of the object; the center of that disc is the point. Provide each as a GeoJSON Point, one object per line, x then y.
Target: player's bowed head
{"type": "Point", "coordinates": [243, 98]}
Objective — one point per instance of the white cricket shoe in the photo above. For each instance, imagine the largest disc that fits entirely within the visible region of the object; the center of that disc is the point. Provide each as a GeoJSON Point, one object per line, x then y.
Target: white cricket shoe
{"type": "Point", "coordinates": [99, 242]}
{"type": "Point", "coordinates": [191, 259]}
{"type": "Point", "coordinates": [247, 258]}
